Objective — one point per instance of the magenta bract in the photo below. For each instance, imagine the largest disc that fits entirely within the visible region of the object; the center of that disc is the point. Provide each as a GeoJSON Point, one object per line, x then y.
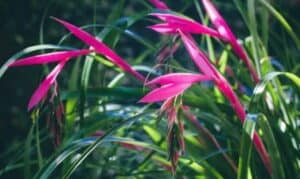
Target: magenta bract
{"type": "Point", "coordinates": [43, 88]}
{"type": "Point", "coordinates": [99, 47]}
{"type": "Point", "coordinates": [49, 57]}
{"type": "Point", "coordinates": [158, 4]}
{"type": "Point", "coordinates": [172, 85]}
{"type": "Point", "coordinates": [175, 21]}
{"type": "Point", "coordinates": [177, 78]}
{"type": "Point", "coordinates": [224, 30]}
{"type": "Point", "coordinates": [165, 92]}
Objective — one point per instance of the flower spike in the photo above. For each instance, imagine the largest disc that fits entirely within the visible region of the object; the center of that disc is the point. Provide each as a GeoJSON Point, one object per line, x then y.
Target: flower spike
{"type": "Point", "coordinates": [44, 87]}
{"type": "Point", "coordinates": [100, 47]}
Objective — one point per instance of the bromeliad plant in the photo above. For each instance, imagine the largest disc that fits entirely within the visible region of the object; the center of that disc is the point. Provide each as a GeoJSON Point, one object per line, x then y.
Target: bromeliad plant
{"type": "Point", "coordinates": [201, 131]}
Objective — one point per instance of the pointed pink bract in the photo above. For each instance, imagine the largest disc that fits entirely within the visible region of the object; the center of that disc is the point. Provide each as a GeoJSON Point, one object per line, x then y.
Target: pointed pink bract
{"type": "Point", "coordinates": [163, 28]}
{"type": "Point", "coordinates": [49, 57]}
{"type": "Point", "coordinates": [227, 34]}
{"type": "Point", "coordinates": [175, 22]}
{"type": "Point", "coordinates": [177, 78]}
{"type": "Point", "coordinates": [159, 5]}
{"type": "Point", "coordinates": [100, 48]}
{"type": "Point", "coordinates": [198, 56]}
{"type": "Point", "coordinates": [165, 92]}
{"type": "Point", "coordinates": [43, 88]}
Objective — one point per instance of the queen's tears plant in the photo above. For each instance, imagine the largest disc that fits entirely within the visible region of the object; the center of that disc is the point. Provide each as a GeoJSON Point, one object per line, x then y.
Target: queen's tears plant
{"type": "Point", "coordinates": [159, 112]}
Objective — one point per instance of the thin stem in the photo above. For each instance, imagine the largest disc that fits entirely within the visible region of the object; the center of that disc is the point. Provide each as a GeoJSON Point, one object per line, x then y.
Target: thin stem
{"type": "Point", "coordinates": [192, 119]}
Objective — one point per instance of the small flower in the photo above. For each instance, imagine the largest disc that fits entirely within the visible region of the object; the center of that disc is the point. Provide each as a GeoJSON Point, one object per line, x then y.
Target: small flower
{"type": "Point", "coordinates": [172, 85]}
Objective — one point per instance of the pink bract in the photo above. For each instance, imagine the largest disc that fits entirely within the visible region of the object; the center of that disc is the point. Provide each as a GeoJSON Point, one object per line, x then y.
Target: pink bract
{"type": "Point", "coordinates": [49, 57]}
{"type": "Point", "coordinates": [165, 92]}
{"type": "Point", "coordinates": [185, 24]}
{"type": "Point", "coordinates": [159, 4]}
{"type": "Point", "coordinates": [224, 30]}
{"type": "Point", "coordinates": [100, 47]}
{"type": "Point", "coordinates": [177, 78]}
{"type": "Point", "coordinates": [44, 87]}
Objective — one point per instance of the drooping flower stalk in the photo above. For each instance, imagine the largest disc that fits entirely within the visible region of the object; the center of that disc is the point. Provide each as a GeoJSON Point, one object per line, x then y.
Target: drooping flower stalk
{"type": "Point", "coordinates": [225, 31]}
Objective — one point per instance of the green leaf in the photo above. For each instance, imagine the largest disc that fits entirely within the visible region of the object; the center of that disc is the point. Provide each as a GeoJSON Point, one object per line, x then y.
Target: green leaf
{"type": "Point", "coordinates": [282, 21]}
{"type": "Point", "coordinates": [268, 136]}
{"type": "Point", "coordinates": [260, 88]}
{"type": "Point", "coordinates": [246, 147]}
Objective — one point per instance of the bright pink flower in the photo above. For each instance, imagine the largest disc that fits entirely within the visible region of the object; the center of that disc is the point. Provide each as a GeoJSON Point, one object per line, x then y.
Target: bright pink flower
{"type": "Point", "coordinates": [226, 33]}
{"type": "Point", "coordinates": [100, 48]}
{"type": "Point", "coordinates": [172, 85]}
{"type": "Point", "coordinates": [43, 88]}
{"type": "Point", "coordinates": [158, 4]}
{"type": "Point", "coordinates": [49, 57]}
{"type": "Point", "coordinates": [185, 24]}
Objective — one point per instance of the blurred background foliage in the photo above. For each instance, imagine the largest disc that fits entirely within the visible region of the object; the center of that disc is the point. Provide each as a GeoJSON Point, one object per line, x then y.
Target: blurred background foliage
{"type": "Point", "coordinates": [21, 25]}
